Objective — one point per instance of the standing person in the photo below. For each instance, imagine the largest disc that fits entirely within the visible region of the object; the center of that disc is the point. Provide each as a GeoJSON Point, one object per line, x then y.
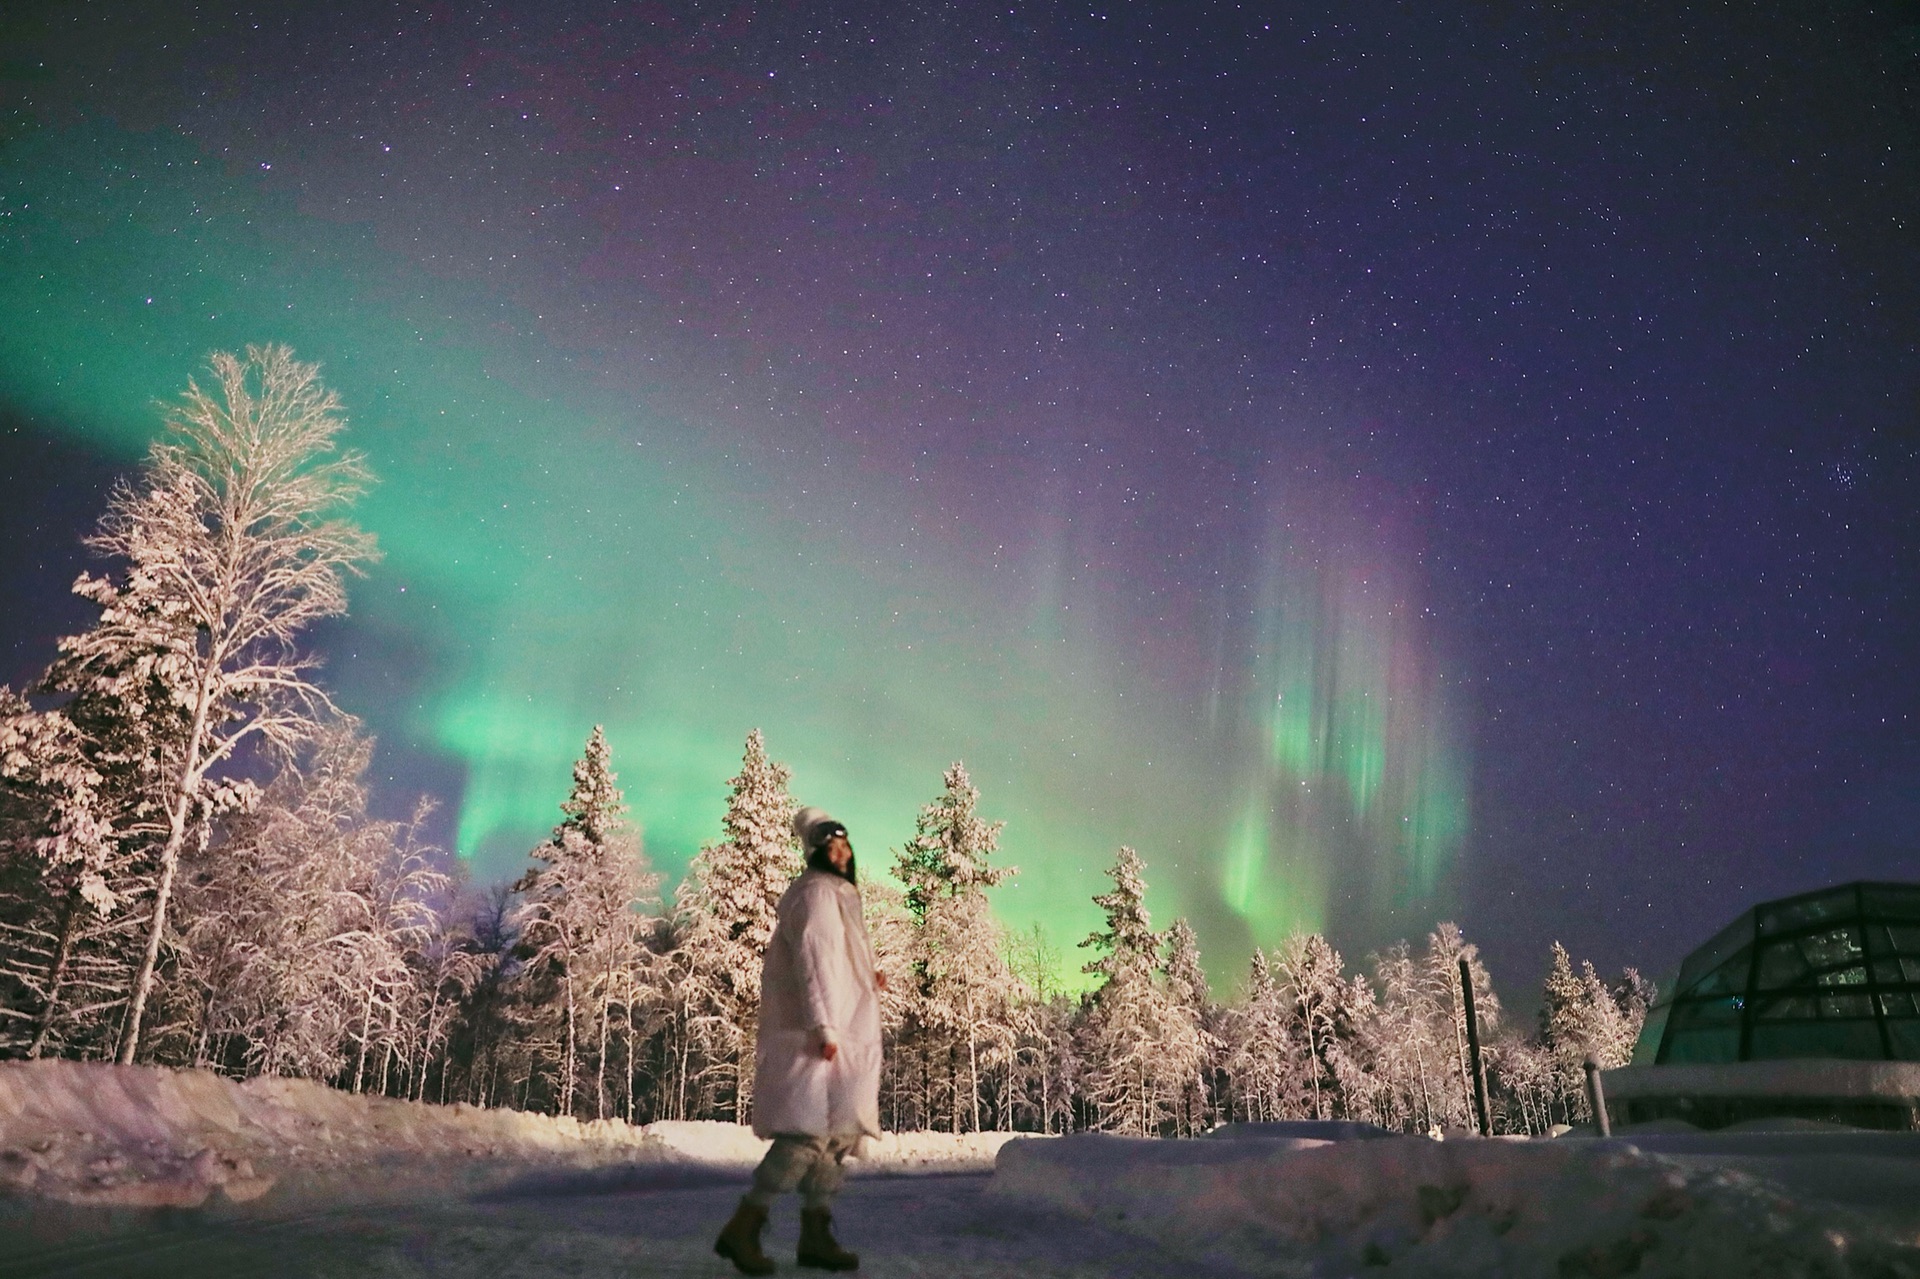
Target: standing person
{"type": "Point", "coordinates": [816, 1067]}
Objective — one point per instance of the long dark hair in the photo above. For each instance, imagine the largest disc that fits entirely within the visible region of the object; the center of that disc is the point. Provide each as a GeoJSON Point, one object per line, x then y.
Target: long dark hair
{"type": "Point", "coordinates": [817, 859]}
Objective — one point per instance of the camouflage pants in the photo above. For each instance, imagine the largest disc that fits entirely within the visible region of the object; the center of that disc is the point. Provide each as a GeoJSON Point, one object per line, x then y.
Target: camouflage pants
{"type": "Point", "coordinates": [810, 1164]}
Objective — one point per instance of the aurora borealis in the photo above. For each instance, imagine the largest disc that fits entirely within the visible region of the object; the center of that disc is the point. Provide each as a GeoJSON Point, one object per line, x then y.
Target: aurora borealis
{"type": "Point", "coordinates": [1385, 466]}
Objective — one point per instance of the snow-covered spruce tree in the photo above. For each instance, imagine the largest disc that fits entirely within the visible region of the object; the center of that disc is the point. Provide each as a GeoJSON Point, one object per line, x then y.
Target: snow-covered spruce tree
{"type": "Point", "coordinates": [579, 918]}
{"type": "Point", "coordinates": [960, 1023]}
{"type": "Point", "coordinates": [1143, 1053]}
{"type": "Point", "coordinates": [1187, 986]}
{"type": "Point", "coordinates": [228, 548]}
{"type": "Point", "coordinates": [723, 920]}
{"type": "Point", "coordinates": [1265, 1079]}
{"type": "Point", "coordinates": [63, 874]}
{"type": "Point", "coordinates": [1564, 1031]}
{"type": "Point", "coordinates": [1581, 1017]}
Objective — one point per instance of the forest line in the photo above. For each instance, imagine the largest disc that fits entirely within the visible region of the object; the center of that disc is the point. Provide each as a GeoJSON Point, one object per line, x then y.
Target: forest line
{"type": "Point", "coordinates": [160, 904]}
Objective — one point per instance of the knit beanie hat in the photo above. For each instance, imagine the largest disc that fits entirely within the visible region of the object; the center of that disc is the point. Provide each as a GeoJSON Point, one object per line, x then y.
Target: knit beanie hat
{"type": "Point", "coordinates": [814, 828]}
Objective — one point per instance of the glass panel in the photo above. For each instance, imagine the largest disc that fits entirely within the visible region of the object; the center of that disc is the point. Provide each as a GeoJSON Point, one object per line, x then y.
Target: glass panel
{"type": "Point", "coordinates": [1906, 1039]}
{"type": "Point", "coordinates": [1705, 1013]}
{"type": "Point", "coordinates": [1835, 946]}
{"type": "Point", "coordinates": [1733, 938]}
{"type": "Point", "coordinates": [1782, 964]}
{"type": "Point", "coordinates": [1836, 903]}
{"type": "Point", "coordinates": [1888, 970]}
{"type": "Point", "coordinates": [1794, 1007]}
{"type": "Point", "coordinates": [1646, 1049]}
{"type": "Point", "coordinates": [1702, 1045]}
{"type": "Point", "coordinates": [1844, 977]}
{"type": "Point", "coordinates": [1729, 978]}
{"type": "Point", "coordinates": [1905, 938]}
{"type": "Point", "coordinates": [1850, 1005]}
{"type": "Point", "coordinates": [1900, 1004]}
{"type": "Point", "coordinates": [1853, 1040]}
{"type": "Point", "coordinates": [1892, 901]}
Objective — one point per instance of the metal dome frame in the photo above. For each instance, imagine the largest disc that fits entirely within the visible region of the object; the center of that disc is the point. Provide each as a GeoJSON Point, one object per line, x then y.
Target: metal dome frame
{"type": "Point", "coordinates": [1833, 973]}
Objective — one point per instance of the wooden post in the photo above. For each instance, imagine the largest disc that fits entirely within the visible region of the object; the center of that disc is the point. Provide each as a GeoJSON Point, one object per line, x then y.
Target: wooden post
{"type": "Point", "coordinates": [1473, 1051]}
{"type": "Point", "coordinates": [1597, 1098]}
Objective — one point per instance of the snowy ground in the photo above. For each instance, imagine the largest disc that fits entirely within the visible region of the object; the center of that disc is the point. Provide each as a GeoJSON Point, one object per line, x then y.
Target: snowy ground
{"type": "Point", "coordinates": [395, 1190]}
{"type": "Point", "coordinates": [87, 1133]}
{"type": "Point", "coordinates": [1796, 1202]}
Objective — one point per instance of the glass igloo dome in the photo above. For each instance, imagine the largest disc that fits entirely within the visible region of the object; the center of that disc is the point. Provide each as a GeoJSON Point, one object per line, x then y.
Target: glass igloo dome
{"type": "Point", "coordinates": [1828, 974]}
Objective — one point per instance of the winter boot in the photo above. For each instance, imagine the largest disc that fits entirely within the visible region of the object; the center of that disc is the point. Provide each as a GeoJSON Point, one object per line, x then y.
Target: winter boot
{"type": "Point", "coordinates": [818, 1247]}
{"type": "Point", "coordinates": [739, 1240]}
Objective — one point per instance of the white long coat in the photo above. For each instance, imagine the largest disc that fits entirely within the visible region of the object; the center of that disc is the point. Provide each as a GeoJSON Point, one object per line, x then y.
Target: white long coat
{"type": "Point", "coordinates": [817, 987]}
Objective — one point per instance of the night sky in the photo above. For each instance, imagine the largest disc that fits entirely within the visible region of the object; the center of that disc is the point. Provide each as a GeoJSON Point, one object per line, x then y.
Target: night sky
{"type": "Point", "coordinates": [1386, 462]}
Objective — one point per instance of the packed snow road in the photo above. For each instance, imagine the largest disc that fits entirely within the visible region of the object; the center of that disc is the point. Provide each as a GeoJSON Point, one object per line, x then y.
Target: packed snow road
{"type": "Point", "coordinates": [1795, 1205]}
{"type": "Point", "coordinates": [655, 1222]}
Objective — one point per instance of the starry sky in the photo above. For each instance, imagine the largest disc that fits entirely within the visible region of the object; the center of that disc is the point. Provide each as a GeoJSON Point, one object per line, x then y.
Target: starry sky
{"type": "Point", "coordinates": [1387, 462]}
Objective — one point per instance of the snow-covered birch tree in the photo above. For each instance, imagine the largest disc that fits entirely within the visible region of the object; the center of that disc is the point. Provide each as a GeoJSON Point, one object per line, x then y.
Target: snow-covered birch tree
{"type": "Point", "coordinates": [227, 548]}
{"type": "Point", "coordinates": [1440, 983]}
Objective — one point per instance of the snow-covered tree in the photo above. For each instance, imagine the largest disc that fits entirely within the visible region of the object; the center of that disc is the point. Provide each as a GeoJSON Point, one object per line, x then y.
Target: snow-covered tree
{"type": "Point", "coordinates": [1193, 1001]}
{"type": "Point", "coordinates": [1143, 1051]}
{"type": "Point", "coordinates": [1320, 1016]}
{"type": "Point", "coordinates": [1125, 1013]}
{"type": "Point", "coordinates": [964, 989]}
{"type": "Point", "coordinates": [1440, 980]}
{"type": "Point", "coordinates": [1581, 1017]}
{"type": "Point", "coordinates": [1044, 1075]}
{"type": "Point", "coordinates": [1413, 1045]}
{"type": "Point", "coordinates": [64, 873]}
{"type": "Point", "coordinates": [1264, 1064]}
{"type": "Point", "coordinates": [445, 966]}
{"type": "Point", "coordinates": [228, 548]}
{"type": "Point", "coordinates": [269, 926]}
{"type": "Point", "coordinates": [723, 921]}
{"type": "Point", "coordinates": [579, 919]}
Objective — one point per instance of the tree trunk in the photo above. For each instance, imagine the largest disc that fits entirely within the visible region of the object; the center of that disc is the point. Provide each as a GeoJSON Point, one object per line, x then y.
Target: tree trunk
{"type": "Point", "coordinates": [686, 1047]}
{"type": "Point", "coordinates": [566, 1087]}
{"type": "Point", "coordinates": [600, 1066]}
{"type": "Point", "coordinates": [57, 973]}
{"type": "Point", "coordinates": [973, 1075]}
{"type": "Point", "coordinates": [188, 784]}
{"type": "Point", "coordinates": [366, 1033]}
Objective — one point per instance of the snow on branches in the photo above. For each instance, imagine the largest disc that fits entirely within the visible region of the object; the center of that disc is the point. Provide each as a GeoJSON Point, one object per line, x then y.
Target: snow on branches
{"type": "Point", "coordinates": [189, 873]}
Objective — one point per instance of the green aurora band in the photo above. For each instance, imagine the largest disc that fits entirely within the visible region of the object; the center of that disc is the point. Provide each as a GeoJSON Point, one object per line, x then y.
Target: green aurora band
{"type": "Point", "coordinates": [566, 544]}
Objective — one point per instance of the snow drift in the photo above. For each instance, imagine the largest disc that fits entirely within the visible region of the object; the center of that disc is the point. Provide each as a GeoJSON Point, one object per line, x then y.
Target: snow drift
{"type": "Point", "coordinates": [88, 1132]}
{"type": "Point", "coordinates": [1302, 1206]}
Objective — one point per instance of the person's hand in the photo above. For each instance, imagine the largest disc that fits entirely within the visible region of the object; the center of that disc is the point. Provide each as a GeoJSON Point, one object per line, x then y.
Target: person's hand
{"type": "Point", "coordinates": [879, 981]}
{"type": "Point", "coordinates": [829, 1051]}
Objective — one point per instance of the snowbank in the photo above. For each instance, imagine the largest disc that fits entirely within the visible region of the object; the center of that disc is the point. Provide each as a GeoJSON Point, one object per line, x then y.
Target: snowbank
{"type": "Point", "coordinates": [733, 1146]}
{"type": "Point", "coordinates": [1410, 1206]}
{"type": "Point", "coordinates": [92, 1133]}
